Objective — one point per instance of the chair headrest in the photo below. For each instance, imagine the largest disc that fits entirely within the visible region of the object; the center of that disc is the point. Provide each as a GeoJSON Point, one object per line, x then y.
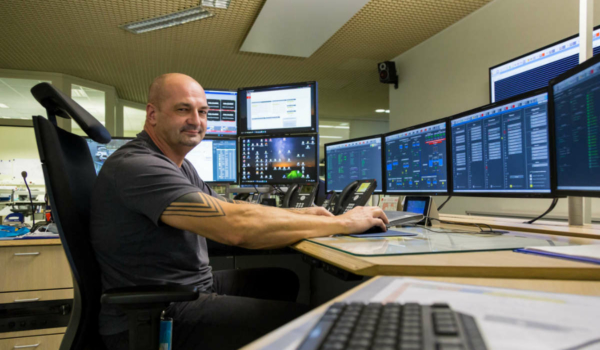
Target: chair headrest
{"type": "Point", "coordinates": [58, 104]}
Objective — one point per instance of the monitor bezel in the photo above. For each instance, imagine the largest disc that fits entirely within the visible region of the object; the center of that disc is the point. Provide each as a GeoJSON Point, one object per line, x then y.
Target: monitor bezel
{"type": "Point", "coordinates": [382, 191]}
{"type": "Point", "coordinates": [580, 67]}
{"type": "Point", "coordinates": [242, 132]}
{"type": "Point", "coordinates": [237, 150]}
{"type": "Point", "coordinates": [489, 194]}
{"type": "Point", "coordinates": [237, 117]}
{"type": "Point", "coordinates": [240, 180]}
{"type": "Point", "coordinates": [448, 161]}
{"type": "Point", "coordinates": [527, 54]}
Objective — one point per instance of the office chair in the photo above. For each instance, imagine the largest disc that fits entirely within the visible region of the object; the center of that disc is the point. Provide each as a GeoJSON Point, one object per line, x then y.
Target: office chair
{"type": "Point", "coordinates": [69, 174]}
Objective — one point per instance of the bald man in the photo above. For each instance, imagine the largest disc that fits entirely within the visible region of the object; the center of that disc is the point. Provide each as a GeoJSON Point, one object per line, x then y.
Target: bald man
{"type": "Point", "coordinates": [151, 215]}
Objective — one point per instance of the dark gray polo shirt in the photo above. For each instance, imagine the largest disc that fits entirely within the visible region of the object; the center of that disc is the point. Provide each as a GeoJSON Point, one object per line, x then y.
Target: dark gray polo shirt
{"type": "Point", "coordinates": [132, 246]}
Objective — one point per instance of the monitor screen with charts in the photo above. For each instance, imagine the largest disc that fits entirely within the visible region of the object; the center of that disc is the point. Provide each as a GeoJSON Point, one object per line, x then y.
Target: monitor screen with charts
{"type": "Point", "coordinates": [576, 110]}
{"type": "Point", "coordinates": [279, 160]}
{"type": "Point", "coordinates": [416, 159]}
{"type": "Point", "coordinates": [503, 149]}
{"type": "Point", "coordinates": [535, 69]}
{"type": "Point", "coordinates": [215, 160]}
{"type": "Point", "coordinates": [100, 152]}
{"type": "Point", "coordinates": [222, 113]}
{"type": "Point", "coordinates": [347, 161]}
{"type": "Point", "coordinates": [281, 109]}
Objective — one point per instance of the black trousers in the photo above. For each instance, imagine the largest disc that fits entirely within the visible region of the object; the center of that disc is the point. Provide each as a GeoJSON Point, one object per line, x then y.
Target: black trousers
{"type": "Point", "coordinates": [243, 306]}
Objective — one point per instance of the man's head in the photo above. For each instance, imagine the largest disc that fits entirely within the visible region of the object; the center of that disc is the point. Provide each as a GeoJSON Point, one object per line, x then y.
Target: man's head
{"type": "Point", "coordinates": [176, 112]}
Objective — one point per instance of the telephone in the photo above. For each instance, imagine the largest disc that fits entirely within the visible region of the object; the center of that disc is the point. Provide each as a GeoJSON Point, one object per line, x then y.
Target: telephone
{"type": "Point", "coordinates": [330, 201]}
{"type": "Point", "coordinates": [355, 194]}
{"type": "Point", "coordinates": [241, 196]}
{"type": "Point", "coordinates": [300, 196]}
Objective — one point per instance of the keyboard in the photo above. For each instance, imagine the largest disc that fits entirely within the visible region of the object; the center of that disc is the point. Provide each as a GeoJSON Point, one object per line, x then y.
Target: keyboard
{"type": "Point", "coordinates": [393, 326]}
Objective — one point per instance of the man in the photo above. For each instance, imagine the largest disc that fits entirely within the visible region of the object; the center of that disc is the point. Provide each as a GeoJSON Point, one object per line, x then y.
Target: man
{"type": "Point", "coordinates": [151, 214]}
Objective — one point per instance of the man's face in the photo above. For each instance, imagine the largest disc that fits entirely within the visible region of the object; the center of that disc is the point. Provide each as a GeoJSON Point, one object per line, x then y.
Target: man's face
{"type": "Point", "coordinates": [181, 117]}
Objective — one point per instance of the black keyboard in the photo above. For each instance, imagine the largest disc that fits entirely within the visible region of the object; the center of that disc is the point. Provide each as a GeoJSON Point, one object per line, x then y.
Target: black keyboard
{"type": "Point", "coordinates": [393, 326]}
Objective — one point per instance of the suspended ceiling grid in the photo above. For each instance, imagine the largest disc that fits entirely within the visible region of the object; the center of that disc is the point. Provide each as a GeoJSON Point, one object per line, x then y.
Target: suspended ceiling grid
{"type": "Point", "coordinates": [82, 38]}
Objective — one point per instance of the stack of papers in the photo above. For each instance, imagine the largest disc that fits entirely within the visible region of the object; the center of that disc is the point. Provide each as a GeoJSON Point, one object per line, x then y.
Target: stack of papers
{"type": "Point", "coordinates": [585, 253]}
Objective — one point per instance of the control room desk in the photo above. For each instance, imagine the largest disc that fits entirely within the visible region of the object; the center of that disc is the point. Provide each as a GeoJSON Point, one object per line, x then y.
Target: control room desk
{"type": "Point", "coordinates": [491, 264]}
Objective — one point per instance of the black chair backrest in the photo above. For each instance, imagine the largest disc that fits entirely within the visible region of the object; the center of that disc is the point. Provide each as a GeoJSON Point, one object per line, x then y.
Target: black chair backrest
{"type": "Point", "coordinates": [69, 174]}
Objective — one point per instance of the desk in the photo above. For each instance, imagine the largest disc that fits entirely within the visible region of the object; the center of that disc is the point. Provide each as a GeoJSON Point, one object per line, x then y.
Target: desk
{"type": "Point", "coordinates": [496, 264]}
{"type": "Point", "coordinates": [42, 275]}
{"type": "Point", "coordinates": [572, 287]}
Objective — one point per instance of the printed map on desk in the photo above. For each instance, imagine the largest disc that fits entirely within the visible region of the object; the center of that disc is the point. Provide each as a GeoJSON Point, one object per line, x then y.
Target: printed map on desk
{"type": "Point", "coordinates": [431, 241]}
{"type": "Point", "coordinates": [509, 318]}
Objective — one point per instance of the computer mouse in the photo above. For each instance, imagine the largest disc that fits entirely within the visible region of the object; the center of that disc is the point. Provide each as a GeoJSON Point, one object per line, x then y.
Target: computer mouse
{"type": "Point", "coordinates": [374, 229]}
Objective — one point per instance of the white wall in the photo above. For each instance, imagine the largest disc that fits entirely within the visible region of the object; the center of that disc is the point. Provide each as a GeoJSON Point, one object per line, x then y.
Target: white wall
{"type": "Point", "coordinates": [448, 73]}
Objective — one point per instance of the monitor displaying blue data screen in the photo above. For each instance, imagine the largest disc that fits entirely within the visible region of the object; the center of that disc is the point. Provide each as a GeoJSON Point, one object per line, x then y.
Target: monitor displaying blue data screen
{"type": "Point", "coordinates": [577, 133]}
{"type": "Point", "coordinates": [215, 160]}
{"type": "Point", "coordinates": [222, 113]}
{"type": "Point", "coordinates": [416, 160]}
{"type": "Point", "coordinates": [278, 109]}
{"type": "Point", "coordinates": [279, 160]}
{"type": "Point", "coordinates": [502, 149]}
{"type": "Point", "coordinates": [352, 160]}
{"type": "Point", "coordinates": [535, 69]}
{"type": "Point", "coordinates": [100, 152]}
{"type": "Point", "coordinates": [416, 206]}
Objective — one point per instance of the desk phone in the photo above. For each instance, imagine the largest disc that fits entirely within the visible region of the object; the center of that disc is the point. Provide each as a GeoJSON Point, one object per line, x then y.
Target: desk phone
{"type": "Point", "coordinates": [330, 201]}
{"type": "Point", "coordinates": [300, 196]}
{"type": "Point", "coordinates": [355, 194]}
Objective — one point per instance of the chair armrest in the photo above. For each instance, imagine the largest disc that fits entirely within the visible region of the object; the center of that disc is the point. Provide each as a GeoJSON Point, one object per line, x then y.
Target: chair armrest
{"type": "Point", "coordinates": [149, 295]}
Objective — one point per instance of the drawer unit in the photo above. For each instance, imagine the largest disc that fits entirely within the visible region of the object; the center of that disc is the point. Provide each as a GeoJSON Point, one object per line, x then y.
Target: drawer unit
{"type": "Point", "coordinates": [45, 342]}
{"type": "Point", "coordinates": [26, 268]}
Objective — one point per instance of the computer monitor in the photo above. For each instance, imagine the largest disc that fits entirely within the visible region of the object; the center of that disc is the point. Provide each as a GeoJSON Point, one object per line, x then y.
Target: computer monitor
{"type": "Point", "coordinates": [279, 160]}
{"type": "Point", "coordinates": [278, 109]}
{"type": "Point", "coordinates": [222, 115]}
{"type": "Point", "coordinates": [575, 108]}
{"type": "Point", "coordinates": [215, 160]}
{"type": "Point", "coordinates": [503, 149]}
{"type": "Point", "coordinates": [535, 69]}
{"type": "Point", "coordinates": [350, 160]}
{"type": "Point", "coordinates": [100, 152]}
{"type": "Point", "coordinates": [416, 160]}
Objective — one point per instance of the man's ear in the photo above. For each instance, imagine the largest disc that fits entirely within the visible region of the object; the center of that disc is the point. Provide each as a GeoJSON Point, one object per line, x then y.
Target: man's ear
{"type": "Point", "coordinates": [151, 114]}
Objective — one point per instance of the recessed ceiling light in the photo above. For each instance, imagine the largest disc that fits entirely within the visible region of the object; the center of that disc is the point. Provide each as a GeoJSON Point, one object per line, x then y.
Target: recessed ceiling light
{"type": "Point", "coordinates": [344, 124]}
{"type": "Point", "coordinates": [2, 105]}
{"type": "Point", "coordinates": [330, 137]}
{"type": "Point", "coordinates": [342, 127]}
{"type": "Point", "coordinates": [221, 4]}
{"type": "Point", "coordinates": [326, 126]}
{"type": "Point", "coordinates": [379, 110]}
{"type": "Point", "coordinates": [166, 21]}
{"type": "Point", "coordinates": [78, 92]}
{"type": "Point", "coordinates": [387, 111]}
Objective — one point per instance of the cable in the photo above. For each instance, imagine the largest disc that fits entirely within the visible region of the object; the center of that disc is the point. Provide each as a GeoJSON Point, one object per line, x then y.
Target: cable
{"type": "Point", "coordinates": [24, 174]}
{"type": "Point", "coordinates": [552, 205]}
{"type": "Point", "coordinates": [442, 205]}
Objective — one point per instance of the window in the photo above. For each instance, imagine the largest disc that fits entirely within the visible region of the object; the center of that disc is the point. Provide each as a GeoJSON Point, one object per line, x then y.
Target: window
{"type": "Point", "coordinates": [16, 101]}
{"type": "Point", "coordinates": [91, 100]}
{"type": "Point", "coordinates": [133, 121]}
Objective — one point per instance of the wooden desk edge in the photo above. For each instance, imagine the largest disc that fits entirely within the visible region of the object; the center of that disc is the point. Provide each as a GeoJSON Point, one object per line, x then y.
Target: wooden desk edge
{"type": "Point", "coordinates": [29, 242]}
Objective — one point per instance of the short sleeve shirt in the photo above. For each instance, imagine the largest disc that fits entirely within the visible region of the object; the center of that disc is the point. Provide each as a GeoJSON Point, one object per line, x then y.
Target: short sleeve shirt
{"type": "Point", "coordinates": [133, 247]}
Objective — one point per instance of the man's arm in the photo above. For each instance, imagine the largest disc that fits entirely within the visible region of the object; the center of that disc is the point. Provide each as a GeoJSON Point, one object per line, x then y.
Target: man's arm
{"type": "Point", "coordinates": [261, 227]}
{"type": "Point", "coordinates": [308, 211]}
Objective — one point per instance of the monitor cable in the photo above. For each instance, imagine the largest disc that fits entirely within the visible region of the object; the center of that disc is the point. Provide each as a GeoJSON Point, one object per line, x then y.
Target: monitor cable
{"type": "Point", "coordinates": [442, 205]}
{"type": "Point", "coordinates": [24, 174]}
{"type": "Point", "coordinates": [552, 205]}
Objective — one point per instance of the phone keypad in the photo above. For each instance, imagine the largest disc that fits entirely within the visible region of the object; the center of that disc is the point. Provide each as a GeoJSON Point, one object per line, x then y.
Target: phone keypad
{"type": "Point", "coordinates": [299, 205]}
{"type": "Point", "coordinates": [349, 207]}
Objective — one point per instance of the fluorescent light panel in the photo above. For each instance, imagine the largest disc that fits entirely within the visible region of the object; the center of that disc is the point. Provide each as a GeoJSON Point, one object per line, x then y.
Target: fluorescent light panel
{"type": "Point", "coordinates": [2, 105]}
{"type": "Point", "coordinates": [166, 21]}
{"type": "Point", "coordinates": [220, 4]}
{"type": "Point", "coordinates": [330, 137]}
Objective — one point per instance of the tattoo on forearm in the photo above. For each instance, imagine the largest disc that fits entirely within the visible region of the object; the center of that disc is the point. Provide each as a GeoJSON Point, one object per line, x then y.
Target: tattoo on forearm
{"type": "Point", "coordinates": [196, 205]}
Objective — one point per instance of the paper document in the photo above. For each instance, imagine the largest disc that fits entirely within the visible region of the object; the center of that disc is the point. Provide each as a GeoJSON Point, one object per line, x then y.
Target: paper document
{"type": "Point", "coordinates": [591, 251]}
{"type": "Point", "coordinates": [510, 318]}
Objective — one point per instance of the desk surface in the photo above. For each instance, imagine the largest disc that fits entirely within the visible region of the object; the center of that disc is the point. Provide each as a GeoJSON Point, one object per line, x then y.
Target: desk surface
{"type": "Point", "coordinates": [29, 242]}
{"type": "Point", "coordinates": [495, 264]}
{"type": "Point", "coordinates": [573, 287]}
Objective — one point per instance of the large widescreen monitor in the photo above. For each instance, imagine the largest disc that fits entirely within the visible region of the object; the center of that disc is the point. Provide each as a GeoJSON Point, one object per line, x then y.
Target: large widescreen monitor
{"type": "Point", "coordinates": [416, 159]}
{"type": "Point", "coordinates": [222, 113]}
{"type": "Point", "coordinates": [100, 152]}
{"type": "Point", "coordinates": [503, 149]}
{"type": "Point", "coordinates": [357, 159]}
{"type": "Point", "coordinates": [535, 69]}
{"type": "Point", "coordinates": [279, 160]}
{"type": "Point", "coordinates": [575, 108]}
{"type": "Point", "coordinates": [215, 160]}
{"type": "Point", "coordinates": [278, 109]}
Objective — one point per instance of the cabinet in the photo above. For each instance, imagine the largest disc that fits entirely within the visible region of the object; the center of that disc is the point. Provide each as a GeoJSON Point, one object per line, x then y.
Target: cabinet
{"type": "Point", "coordinates": [33, 271]}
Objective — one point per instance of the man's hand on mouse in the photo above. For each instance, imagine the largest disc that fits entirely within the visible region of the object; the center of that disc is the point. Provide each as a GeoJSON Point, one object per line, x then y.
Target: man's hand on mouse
{"type": "Point", "coordinates": [361, 219]}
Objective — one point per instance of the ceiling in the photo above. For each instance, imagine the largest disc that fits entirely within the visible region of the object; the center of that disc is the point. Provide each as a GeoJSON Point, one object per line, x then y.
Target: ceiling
{"type": "Point", "coordinates": [82, 39]}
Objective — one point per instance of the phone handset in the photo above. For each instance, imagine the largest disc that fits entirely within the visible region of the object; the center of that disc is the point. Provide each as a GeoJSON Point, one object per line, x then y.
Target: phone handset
{"type": "Point", "coordinates": [291, 190]}
{"type": "Point", "coordinates": [330, 201]}
{"type": "Point", "coordinates": [356, 194]}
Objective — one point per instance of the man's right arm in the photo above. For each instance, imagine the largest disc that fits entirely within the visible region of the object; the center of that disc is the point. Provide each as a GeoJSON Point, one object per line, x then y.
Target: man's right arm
{"type": "Point", "coordinates": [261, 227]}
